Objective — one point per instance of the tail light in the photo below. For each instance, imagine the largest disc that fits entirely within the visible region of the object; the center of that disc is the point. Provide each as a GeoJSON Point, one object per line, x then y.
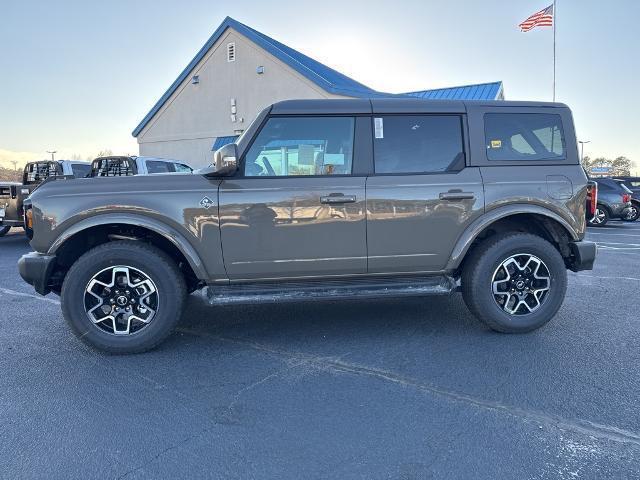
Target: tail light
{"type": "Point", "coordinates": [28, 218]}
{"type": "Point", "coordinates": [592, 198]}
{"type": "Point", "coordinates": [626, 197]}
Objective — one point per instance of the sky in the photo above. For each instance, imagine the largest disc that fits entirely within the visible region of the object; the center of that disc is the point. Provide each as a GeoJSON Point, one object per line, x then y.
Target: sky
{"type": "Point", "coordinates": [78, 76]}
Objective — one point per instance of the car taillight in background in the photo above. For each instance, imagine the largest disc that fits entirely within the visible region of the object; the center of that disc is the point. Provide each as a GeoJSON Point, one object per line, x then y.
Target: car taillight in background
{"type": "Point", "coordinates": [592, 198]}
{"type": "Point", "coordinates": [626, 197]}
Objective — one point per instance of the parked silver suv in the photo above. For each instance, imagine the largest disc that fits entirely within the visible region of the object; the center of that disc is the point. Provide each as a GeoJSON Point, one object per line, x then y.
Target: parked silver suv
{"type": "Point", "coordinates": [328, 199]}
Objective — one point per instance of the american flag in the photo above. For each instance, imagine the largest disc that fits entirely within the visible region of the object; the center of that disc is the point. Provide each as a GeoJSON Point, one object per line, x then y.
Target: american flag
{"type": "Point", "coordinates": [543, 18]}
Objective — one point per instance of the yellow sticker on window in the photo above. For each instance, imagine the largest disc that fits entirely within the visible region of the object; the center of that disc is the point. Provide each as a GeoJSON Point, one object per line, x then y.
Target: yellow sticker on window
{"type": "Point", "coordinates": [496, 143]}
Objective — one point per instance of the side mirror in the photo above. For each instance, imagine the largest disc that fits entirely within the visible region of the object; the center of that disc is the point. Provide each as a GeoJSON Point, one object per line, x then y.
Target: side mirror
{"type": "Point", "coordinates": [225, 161]}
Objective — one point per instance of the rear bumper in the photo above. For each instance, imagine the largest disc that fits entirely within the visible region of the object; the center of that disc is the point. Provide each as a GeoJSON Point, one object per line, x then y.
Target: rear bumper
{"type": "Point", "coordinates": [36, 269]}
{"type": "Point", "coordinates": [619, 210]}
{"type": "Point", "coordinates": [584, 254]}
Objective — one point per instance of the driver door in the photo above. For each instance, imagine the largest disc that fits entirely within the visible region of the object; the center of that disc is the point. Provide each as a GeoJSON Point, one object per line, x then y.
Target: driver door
{"type": "Point", "coordinates": [295, 209]}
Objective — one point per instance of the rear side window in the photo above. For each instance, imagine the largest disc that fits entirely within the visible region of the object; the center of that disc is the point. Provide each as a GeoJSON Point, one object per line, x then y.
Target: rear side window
{"type": "Point", "coordinates": [80, 171]}
{"type": "Point", "coordinates": [154, 166]}
{"type": "Point", "coordinates": [418, 143]}
{"type": "Point", "coordinates": [524, 136]}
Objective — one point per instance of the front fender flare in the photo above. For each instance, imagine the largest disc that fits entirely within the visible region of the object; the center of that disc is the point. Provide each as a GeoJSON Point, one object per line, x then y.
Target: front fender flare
{"type": "Point", "coordinates": [161, 228]}
{"type": "Point", "coordinates": [479, 225]}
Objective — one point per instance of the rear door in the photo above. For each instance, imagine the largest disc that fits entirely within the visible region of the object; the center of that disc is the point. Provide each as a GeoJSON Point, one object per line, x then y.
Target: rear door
{"type": "Point", "coordinates": [297, 207]}
{"type": "Point", "coordinates": [422, 195]}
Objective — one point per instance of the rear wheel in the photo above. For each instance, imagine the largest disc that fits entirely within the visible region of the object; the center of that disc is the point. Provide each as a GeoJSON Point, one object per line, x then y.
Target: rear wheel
{"type": "Point", "coordinates": [600, 218]}
{"type": "Point", "coordinates": [123, 297]}
{"type": "Point", "coordinates": [4, 230]}
{"type": "Point", "coordinates": [632, 214]}
{"type": "Point", "coordinates": [514, 282]}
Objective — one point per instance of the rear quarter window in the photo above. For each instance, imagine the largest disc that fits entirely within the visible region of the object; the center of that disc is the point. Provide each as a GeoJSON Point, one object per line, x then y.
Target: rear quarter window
{"type": "Point", "coordinates": [524, 137]}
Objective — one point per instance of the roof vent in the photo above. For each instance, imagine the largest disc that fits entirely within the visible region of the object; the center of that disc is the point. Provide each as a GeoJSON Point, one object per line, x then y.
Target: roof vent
{"type": "Point", "coordinates": [231, 52]}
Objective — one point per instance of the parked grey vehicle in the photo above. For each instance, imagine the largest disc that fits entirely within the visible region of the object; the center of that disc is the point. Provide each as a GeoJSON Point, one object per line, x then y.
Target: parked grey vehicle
{"type": "Point", "coordinates": [614, 202]}
{"type": "Point", "coordinates": [12, 195]}
{"type": "Point", "coordinates": [328, 199]}
{"type": "Point", "coordinates": [123, 166]}
{"type": "Point", "coordinates": [633, 184]}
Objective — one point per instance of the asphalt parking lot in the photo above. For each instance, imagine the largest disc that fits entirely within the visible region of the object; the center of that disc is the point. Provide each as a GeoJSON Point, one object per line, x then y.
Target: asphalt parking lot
{"type": "Point", "coordinates": [405, 389]}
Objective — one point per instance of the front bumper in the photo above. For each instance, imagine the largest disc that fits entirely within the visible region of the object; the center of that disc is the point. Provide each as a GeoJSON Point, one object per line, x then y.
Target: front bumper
{"type": "Point", "coordinates": [36, 269]}
{"type": "Point", "coordinates": [584, 254]}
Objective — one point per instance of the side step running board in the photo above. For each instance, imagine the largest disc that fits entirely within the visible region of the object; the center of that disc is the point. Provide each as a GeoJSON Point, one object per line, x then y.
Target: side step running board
{"type": "Point", "coordinates": [312, 290]}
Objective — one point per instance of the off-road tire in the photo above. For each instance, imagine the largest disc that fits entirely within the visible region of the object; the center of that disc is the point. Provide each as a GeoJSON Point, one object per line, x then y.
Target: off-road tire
{"type": "Point", "coordinates": [4, 230]}
{"type": "Point", "coordinates": [159, 267]}
{"type": "Point", "coordinates": [478, 273]}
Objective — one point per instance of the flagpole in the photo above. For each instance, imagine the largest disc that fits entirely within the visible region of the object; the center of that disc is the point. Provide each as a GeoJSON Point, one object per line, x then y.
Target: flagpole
{"type": "Point", "coordinates": [554, 50]}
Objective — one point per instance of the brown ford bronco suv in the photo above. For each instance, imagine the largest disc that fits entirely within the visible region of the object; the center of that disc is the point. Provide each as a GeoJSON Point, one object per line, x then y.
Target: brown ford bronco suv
{"type": "Point", "coordinates": [327, 199]}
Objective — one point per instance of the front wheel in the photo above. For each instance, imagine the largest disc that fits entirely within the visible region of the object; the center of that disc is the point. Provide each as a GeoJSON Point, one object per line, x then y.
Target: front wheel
{"type": "Point", "coordinates": [123, 297]}
{"type": "Point", "coordinates": [4, 230]}
{"type": "Point", "coordinates": [514, 282]}
{"type": "Point", "coordinates": [600, 218]}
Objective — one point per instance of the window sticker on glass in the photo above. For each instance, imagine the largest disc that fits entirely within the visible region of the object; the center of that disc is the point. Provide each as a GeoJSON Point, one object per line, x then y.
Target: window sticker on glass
{"type": "Point", "coordinates": [496, 143]}
{"type": "Point", "coordinates": [379, 127]}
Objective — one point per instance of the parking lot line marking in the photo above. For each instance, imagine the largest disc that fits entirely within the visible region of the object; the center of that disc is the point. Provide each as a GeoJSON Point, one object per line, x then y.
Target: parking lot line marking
{"type": "Point", "coordinates": [606, 278]}
{"type": "Point", "coordinates": [616, 251]}
{"type": "Point", "coordinates": [614, 234]}
{"type": "Point", "coordinates": [6, 291]}
{"type": "Point", "coordinates": [620, 243]}
{"type": "Point", "coordinates": [628, 227]}
{"type": "Point", "coordinates": [335, 364]}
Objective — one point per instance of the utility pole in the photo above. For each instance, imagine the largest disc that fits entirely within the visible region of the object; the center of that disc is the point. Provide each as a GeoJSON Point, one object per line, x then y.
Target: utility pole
{"type": "Point", "coordinates": [15, 165]}
{"type": "Point", "coordinates": [582, 149]}
{"type": "Point", "coordinates": [52, 152]}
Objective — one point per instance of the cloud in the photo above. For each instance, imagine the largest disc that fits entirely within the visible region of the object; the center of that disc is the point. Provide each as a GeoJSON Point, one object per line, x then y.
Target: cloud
{"type": "Point", "coordinates": [7, 157]}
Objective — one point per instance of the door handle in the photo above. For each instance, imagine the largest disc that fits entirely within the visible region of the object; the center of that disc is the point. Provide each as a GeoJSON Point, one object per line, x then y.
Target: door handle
{"type": "Point", "coordinates": [337, 198]}
{"type": "Point", "coordinates": [457, 195]}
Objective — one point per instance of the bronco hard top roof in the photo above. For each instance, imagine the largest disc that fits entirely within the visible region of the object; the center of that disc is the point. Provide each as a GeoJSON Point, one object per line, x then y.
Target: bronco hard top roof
{"type": "Point", "coordinates": [392, 105]}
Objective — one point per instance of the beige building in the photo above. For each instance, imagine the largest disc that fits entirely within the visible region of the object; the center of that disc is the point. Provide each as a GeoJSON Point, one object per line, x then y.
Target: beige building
{"type": "Point", "coordinates": [237, 73]}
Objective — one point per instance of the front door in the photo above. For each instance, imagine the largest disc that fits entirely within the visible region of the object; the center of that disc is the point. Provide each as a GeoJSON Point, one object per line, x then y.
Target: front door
{"type": "Point", "coordinates": [422, 195]}
{"type": "Point", "coordinates": [295, 209]}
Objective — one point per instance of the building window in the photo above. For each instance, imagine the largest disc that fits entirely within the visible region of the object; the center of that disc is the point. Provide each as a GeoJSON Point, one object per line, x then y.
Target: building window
{"type": "Point", "coordinates": [231, 52]}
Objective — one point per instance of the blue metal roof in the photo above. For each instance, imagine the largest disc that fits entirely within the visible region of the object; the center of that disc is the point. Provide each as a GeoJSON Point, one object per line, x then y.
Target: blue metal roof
{"type": "Point", "coordinates": [482, 91]}
{"type": "Point", "coordinates": [222, 141]}
{"type": "Point", "coordinates": [327, 78]}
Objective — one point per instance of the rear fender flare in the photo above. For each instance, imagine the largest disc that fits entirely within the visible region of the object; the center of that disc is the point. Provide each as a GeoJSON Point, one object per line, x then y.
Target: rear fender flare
{"type": "Point", "coordinates": [479, 225]}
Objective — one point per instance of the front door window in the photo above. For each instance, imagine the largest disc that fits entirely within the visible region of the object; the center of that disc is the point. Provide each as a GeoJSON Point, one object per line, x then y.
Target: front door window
{"type": "Point", "coordinates": [304, 146]}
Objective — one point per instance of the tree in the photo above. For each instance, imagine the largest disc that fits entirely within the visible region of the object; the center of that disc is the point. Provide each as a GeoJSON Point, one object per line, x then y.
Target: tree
{"type": "Point", "coordinates": [587, 163]}
{"type": "Point", "coordinates": [621, 166]}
